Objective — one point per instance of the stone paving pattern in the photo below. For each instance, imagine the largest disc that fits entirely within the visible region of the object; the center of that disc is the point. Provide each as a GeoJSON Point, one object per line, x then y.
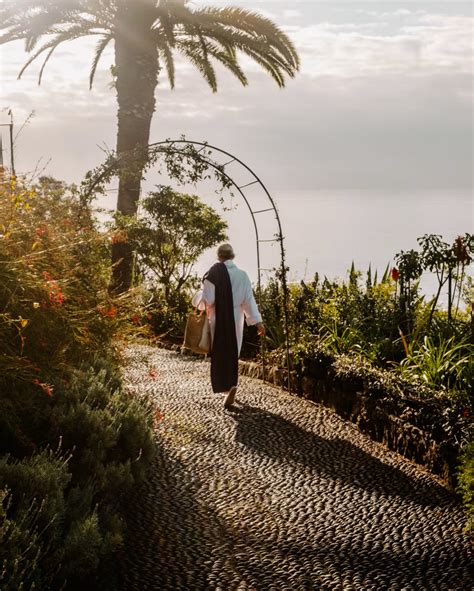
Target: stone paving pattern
{"type": "Point", "coordinates": [279, 493]}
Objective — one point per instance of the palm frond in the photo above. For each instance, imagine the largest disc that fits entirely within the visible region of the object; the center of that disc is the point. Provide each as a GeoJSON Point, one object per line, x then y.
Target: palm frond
{"type": "Point", "coordinates": [53, 44]}
{"type": "Point", "coordinates": [254, 26]}
{"type": "Point", "coordinates": [210, 75]}
{"type": "Point", "coordinates": [227, 59]}
{"type": "Point", "coordinates": [168, 58]}
{"type": "Point", "coordinates": [43, 66]}
{"type": "Point", "coordinates": [230, 62]}
{"type": "Point", "coordinates": [101, 45]}
{"type": "Point", "coordinates": [165, 24]}
{"type": "Point", "coordinates": [248, 32]}
{"type": "Point", "coordinates": [203, 35]}
{"type": "Point", "coordinates": [193, 51]}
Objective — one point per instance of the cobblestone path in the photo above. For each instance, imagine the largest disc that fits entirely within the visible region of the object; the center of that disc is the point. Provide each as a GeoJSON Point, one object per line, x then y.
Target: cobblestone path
{"type": "Point", "coordinates": [278, 494]}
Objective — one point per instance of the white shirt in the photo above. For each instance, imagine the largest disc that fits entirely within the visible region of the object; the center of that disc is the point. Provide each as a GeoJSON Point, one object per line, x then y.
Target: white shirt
{"type": "Point", "coordinates": [245, 306]}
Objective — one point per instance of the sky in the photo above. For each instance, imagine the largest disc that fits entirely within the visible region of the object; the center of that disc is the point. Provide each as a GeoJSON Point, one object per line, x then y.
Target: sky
{"type": "Point", "coordinates": [380, 114]}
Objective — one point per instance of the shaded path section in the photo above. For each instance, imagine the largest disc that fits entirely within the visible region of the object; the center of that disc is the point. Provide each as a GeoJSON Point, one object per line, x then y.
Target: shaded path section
{"type": "Point", "coordinates": [279, 494]}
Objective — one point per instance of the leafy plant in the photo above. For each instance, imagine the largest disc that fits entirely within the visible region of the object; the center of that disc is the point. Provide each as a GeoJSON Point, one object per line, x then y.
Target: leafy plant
{"type": "Point", "coordinates": [441, 363]}
{"type": "Point", "coordinates": [20, 547]}
{"type": "Point", "coordinates": [449, 263]}
{"type": "Point", "coordinates": [171, 232]}
{"type": "Point", "coordinates": [410, 269]}
{"type": "Point", "coordinates": [347, 340]}
{"type": "Point", "coordinates": [466, 483]}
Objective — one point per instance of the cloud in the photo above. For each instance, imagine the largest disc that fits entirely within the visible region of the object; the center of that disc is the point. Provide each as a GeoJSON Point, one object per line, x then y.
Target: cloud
{"type": "Point", "coordinates": [400, 12]}
{"type": "Point", "coordinates": [430, 44]}
{"type": "Point", "coordinates": [379, 104]}
{"type": "Point", "coordinates": [292, 13]}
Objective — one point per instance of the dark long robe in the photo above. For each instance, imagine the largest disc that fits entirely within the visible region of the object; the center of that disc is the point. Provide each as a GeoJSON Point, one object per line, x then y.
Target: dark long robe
{"type": "Point", "coordinates": [224, 354]}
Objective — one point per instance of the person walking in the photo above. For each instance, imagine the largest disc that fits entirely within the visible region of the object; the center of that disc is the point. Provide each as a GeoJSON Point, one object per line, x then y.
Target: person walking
{"type": "Point", "coordinates": [229, 301]}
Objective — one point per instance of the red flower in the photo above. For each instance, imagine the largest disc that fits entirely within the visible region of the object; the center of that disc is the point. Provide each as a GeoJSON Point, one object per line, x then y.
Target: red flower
{"type": "Point", "coordinates": [153, 373]}
{"type": "Point", "coordinates": [135, 319]}
{"type": "Point", "coordinates": [159, 416]}
{"type": "Point", "coordinates": [109, 312]}
{"type": "Point", "coordinates": [465, 413]}
{"type": "Point", "coordinates": [395, 274]}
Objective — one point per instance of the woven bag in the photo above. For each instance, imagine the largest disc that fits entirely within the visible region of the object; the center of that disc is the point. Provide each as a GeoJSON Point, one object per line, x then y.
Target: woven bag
{"type": "Point", "coordinates": [197, 335]}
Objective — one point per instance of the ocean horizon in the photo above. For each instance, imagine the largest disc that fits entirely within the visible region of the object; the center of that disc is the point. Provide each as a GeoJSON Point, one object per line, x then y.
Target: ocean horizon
{"type": "Point", "coordinates": [325, 231]}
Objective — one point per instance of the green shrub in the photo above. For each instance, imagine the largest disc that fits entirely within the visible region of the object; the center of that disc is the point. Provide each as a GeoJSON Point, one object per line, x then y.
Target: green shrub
{"type": "Point", "coordinates": [33, 509]}
{"type": "Point", "coordinates": [346, 316]}
{"type": "Point", "coordinates": [466, 483]}
{"type": "Point", "coordinates": [20, 548]}
{"type": "Point", "coordinates": [82, 550]}
{"type": "Point", "coordinates": [170, 234]}
{"type": "Point", "coordinates": [100, 423]}
{"type": "Point", "coordinates": [369, 319]}
{"type": "Point", "coordinates": [72, 507]}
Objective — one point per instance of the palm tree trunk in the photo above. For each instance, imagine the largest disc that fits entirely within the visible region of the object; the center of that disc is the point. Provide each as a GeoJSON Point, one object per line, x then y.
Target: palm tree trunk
{"type": "Point", "coordinates": [137, 67]}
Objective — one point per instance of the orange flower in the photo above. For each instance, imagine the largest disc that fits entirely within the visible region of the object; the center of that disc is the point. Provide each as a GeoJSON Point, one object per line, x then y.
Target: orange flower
{"type": "Point", "coordinates": [109, 312]}
{"type": "Point", "coordinates": [56, 295]}
{"type": "Point", "coordinates": [47, 388]}
{"type": "Point", "coordinates": [41, 230]}
{"type": "Point", "coordinates": [159, 416]}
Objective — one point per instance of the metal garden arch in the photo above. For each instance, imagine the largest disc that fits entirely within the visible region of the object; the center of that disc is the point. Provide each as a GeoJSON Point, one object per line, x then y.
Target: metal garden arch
{"type": "Point", "coordinates": [204, 152]}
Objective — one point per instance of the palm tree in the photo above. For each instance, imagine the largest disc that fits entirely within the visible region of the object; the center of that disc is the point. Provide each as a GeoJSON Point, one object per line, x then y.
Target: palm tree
{"type": "Point", "coordinates": [146, 36]}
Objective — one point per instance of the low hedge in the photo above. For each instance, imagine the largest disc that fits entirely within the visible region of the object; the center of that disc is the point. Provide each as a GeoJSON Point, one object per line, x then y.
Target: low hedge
{"type": "Point", "coordinates": [62, 503]}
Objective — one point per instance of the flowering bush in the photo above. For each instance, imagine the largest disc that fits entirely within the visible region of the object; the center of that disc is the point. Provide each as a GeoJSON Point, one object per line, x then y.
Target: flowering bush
{"type": "Point", "coordinates": [53, 282]}
{"type": "Point", "coordinates": [60, 390]}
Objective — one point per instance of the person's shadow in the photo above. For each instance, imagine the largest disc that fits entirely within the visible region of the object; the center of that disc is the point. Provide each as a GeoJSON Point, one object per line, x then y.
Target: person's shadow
{"type": "Point", "coordinates": [285, 442]}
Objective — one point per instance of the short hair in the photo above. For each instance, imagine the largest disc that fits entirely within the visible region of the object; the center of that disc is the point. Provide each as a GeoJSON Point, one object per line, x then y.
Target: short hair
{"type": "Point", "coordinates": [225, 252]}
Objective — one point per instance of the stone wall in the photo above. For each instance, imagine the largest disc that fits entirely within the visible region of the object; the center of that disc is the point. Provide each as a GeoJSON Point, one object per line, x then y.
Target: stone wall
{"type": "Point", "coordinates": [374, 414]}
